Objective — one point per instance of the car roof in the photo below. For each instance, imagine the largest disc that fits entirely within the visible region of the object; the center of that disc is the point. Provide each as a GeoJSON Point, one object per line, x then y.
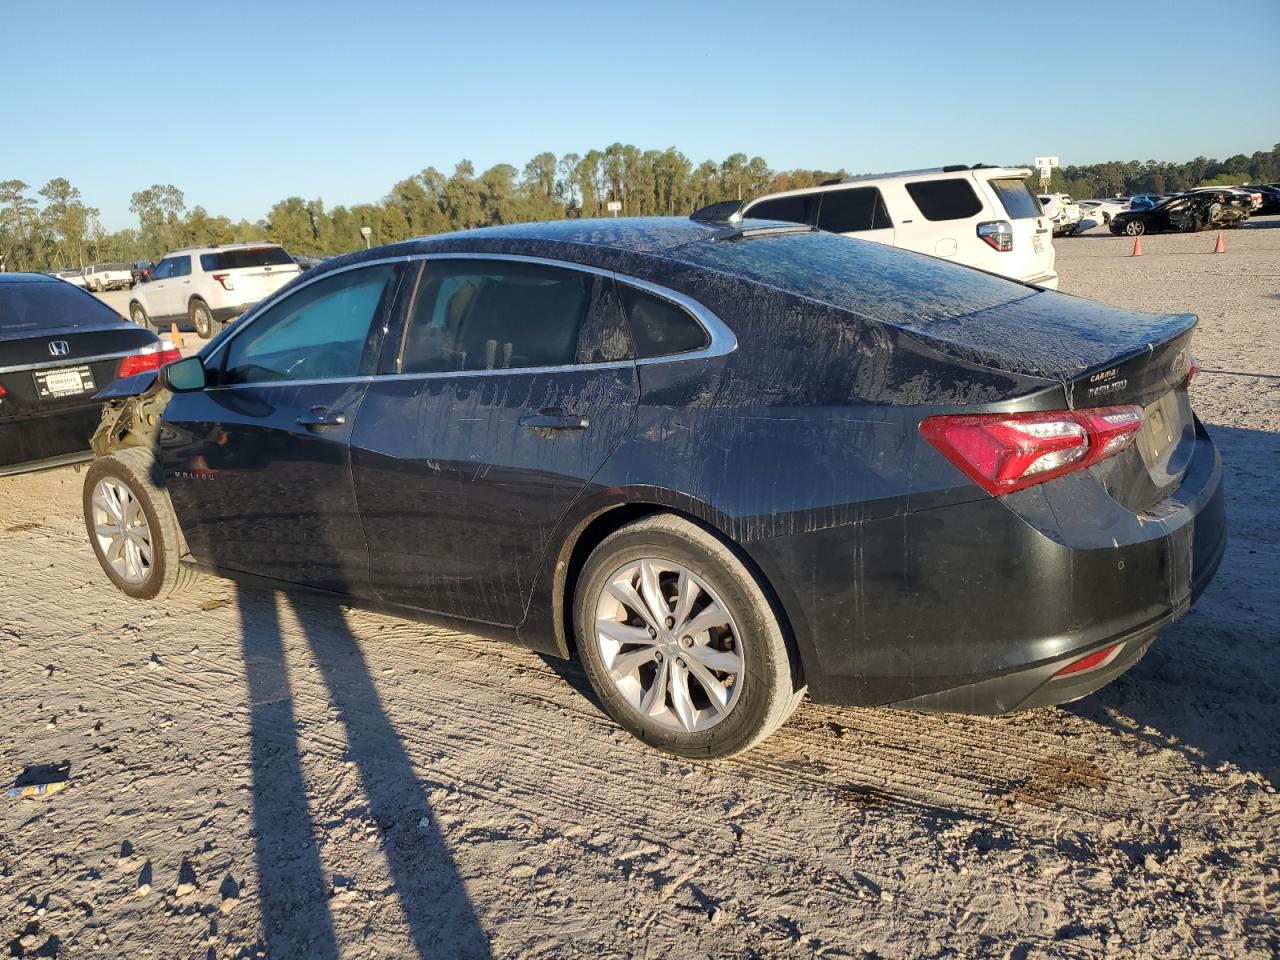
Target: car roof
{"type": "Point", "coordinates": [258, 244]}
{"type": "Point", "coordinates": [29, 277]}
{"type": "Point", "coordinates": [865, 179]}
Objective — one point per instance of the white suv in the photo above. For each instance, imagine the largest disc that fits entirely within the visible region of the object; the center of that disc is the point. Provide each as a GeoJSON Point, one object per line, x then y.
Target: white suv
{"type": "Point", "coordinates": [984, 217]}
{"type": "Point", "coordinates": [210, 285]}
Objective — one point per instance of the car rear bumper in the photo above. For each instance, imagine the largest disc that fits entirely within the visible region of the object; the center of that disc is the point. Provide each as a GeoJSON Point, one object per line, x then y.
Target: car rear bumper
{"type": "Point", "coordinates": [36, 442]}
{"type": "Point", "coordinates": [974, 607]}
{"type": "Point", "coordinates": [1047, 280]}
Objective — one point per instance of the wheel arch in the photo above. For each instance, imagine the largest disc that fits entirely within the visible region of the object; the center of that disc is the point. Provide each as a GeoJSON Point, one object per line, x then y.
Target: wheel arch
{"type": "Point", "coordinates": [592, 529]}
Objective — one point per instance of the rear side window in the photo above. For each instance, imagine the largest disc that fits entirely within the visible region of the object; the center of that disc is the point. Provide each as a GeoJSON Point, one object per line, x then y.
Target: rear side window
{"type": "Point", "coordinates": [951, 199]}
{"type": "Point", "coordinates": [798, 209]}
{"type": "Point", "coordinates": [55, 305]}
{"type": "Point", "coordinates": [659, 327]}
{"type": "Point", "coordinates": [493, 315]}
{"type": "Point", "coordinates": [243, 258]}
{"type": "Point", "coordinates": [1017, 198]}
{"type": "Point", "coordinates": [850, 211]}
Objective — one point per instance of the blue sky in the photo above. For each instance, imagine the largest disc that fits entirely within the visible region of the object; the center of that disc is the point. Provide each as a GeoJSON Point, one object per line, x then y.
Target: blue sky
{"type": "Point", "coordinates": [242, 104]}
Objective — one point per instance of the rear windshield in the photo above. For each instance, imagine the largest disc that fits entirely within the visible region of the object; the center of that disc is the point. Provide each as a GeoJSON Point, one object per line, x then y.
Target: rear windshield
{"type": "Point", "coordinates": [49, 305]}
{"type": "Point", "coordinates": [1017, 197]}
{"type": "Point", "coordinates": [251, 257]}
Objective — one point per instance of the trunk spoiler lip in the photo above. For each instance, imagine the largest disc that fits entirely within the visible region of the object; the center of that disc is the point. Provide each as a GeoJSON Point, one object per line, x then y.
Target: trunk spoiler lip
{"type": "Point", "coordinates": [133, 386]}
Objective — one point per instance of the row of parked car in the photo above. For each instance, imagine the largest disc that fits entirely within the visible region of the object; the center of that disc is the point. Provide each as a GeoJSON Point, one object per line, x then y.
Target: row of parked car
{"type": "Point", "coordinates": [1201, 208]}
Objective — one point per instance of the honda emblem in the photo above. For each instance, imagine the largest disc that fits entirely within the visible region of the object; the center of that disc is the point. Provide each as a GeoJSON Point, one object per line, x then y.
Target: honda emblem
{"type": "Point", "coordinates": [59, 348]}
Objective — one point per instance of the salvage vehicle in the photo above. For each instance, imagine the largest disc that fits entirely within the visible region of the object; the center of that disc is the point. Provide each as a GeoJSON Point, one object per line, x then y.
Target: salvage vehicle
{"type": "Point", "coordinates": [1101, 211]}
{"type": "Point", "coordinates": [1185, 213]}
{"type": "Point", "coordinates": [100, 277]}
{"type": "Point", "coordinates": [58, 347]}
{"type": "Point", "coordinates": [720, 461]}
{"type": "Point", "coordinates": [1063, 211]}
{"type": "Point", "coordinates": [980, 216]}
{"type": "Point", "coordinates": [210, 286]}
{"type": "Point", "coordinates": [72, 276]}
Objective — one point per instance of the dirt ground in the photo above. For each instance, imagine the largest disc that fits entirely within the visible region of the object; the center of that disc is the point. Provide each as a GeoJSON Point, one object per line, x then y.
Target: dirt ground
{"type": "Point", "coordinates": [253, 775]}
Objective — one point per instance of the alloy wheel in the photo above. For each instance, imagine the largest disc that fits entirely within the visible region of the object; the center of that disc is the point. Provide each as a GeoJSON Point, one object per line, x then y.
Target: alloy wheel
{"type": "Point", "coordinates": [669, 644]}
{"type": "Point", "coordinates": [124, 536]}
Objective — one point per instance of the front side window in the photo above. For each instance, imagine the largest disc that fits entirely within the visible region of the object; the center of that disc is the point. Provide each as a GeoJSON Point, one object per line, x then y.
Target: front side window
{"type": "Point", "coordinates": [951, 199]}
{"type": "Point", "coordinates": [181, 267]}
{"type": "Point", "coordinates": [317, 332]}
{"type": "Point", "coordinates": [853, 210]}
{"type": "Point", "coordinates": [659, 327]}
{"type": "Point", "coordinates": [495, 315]}
{"type": "Point", "coordinates": [163, 270]}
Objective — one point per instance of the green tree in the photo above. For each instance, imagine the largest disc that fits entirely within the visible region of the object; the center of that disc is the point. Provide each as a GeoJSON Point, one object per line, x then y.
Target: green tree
{"type": "Point", "coordinates": [18, 219]}
{"type": "Point", "coordinates": [159, 210]}
{"type": "Point", "coordinates": [68, 221]}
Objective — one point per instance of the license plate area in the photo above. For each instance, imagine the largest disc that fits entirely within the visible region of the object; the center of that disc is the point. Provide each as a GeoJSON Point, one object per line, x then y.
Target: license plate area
{"type": "Point", "coordinates": [64, 382]}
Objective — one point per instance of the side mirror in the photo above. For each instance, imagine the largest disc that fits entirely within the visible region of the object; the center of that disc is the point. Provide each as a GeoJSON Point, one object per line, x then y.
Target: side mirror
{"type": "Point", "coordinates": [183, 376]}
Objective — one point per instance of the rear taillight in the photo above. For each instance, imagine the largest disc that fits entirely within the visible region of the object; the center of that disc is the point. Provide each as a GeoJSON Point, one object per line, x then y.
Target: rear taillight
{"type": "Point", "coordinates": [226, 280]}
{"type": "Point", "coordinates": [1193, 368]}
{"type": "Point", "coordinates": [3, 391]}
{"type": "Point", "coordinates": [149, 358]}
{"type": "Point", "coordinates": [998, 234]}
{"type": "Point", "coordinates": [1004, 452]}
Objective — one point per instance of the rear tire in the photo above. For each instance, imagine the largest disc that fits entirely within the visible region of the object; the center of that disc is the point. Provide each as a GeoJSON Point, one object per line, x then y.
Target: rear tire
{"type": "Point", "coordinates": [202, 318]}
{"type": "Point", "coordinates": [132, 526]}
{"type": "Point", "coordinates": [139, 316]}
{"type": "Point", "coordinates": [713, 692]}
{"type": "Point", "coordinates": [1135, 228]}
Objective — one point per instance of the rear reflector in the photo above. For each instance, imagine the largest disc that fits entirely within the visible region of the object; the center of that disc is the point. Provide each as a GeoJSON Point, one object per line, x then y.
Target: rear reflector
{"type": "Point", "coordinates": [1004, 452]}
{"type": "Point", "coordinates": [1090, 662]}
{"type": "Point", "coordinates": [149, 358]}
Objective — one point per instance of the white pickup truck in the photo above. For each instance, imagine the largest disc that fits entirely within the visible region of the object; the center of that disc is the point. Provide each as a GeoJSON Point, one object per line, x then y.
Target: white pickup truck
{"type": "Point", "coordinates": [108, 276]}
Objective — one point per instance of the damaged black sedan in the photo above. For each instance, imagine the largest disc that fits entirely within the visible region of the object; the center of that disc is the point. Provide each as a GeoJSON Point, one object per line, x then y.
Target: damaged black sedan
{"type": "Point", "coordinates": [721, 463]}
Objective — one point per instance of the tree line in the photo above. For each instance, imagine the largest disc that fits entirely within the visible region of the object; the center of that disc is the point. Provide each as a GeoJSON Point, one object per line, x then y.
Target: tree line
{"type": "Point", "coordinates": [64, 231]}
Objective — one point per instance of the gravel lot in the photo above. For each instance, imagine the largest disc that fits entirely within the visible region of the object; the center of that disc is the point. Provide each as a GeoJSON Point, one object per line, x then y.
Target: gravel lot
{"type": "Point", "coordinates": [255, 775]}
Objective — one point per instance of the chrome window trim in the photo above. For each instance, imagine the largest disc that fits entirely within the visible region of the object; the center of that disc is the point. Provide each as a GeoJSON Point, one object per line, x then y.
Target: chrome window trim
{"type": "Point", "coordinates": [265, 384]}
{"type": "Point", "coordinates": [507, 371]}
{"type": "Point", "coordinates": [78, 361]}
{"type": "Point", "coordinates": [722, 340]}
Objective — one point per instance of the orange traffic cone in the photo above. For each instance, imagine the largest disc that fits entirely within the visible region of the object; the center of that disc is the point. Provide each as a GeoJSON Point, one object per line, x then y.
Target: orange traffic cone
{"type": "Point", "coordinates": [175, 336]}
{"type": "Point", "coordinates": [1137, 247]}
{"type": "Point", "coordinates": [1220, 246]}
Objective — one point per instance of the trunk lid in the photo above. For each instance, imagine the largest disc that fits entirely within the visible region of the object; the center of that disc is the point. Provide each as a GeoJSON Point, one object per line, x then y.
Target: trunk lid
{"type": "Point", "coordinates": [1103, 356]}
{"type": "Point", "coordinates": [253, 272]}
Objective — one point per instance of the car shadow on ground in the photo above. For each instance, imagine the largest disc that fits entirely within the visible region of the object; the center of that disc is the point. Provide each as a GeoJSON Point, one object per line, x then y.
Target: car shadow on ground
{"type": "Point", "coordinates": [1207, 685]}
{"type": "Point", "coordinates": [294, 890]}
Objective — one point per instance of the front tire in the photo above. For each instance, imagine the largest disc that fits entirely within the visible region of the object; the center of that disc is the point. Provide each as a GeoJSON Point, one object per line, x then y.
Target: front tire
{"type": "Point", "coordinates": [132, 526]}
{"type": "Point", "coordinates": [680, 642]}
{"type": "Point", "coordinates": [202, 318]}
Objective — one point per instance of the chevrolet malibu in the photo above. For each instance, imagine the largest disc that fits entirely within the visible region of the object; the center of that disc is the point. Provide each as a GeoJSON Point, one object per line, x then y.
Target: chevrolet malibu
{"type": "Point", "coordinates": [721, 462]}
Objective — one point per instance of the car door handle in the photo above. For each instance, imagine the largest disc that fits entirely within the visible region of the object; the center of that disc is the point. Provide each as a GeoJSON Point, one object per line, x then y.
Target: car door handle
{"type": "Point", "coordinates": [322, 417]}
{"type": "Point", "coordinates": [552, 419]}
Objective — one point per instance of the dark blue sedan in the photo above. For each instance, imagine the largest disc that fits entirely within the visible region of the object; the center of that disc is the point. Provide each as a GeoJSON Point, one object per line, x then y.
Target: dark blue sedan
{"type": "Point", "coordinates": [722, 463]}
